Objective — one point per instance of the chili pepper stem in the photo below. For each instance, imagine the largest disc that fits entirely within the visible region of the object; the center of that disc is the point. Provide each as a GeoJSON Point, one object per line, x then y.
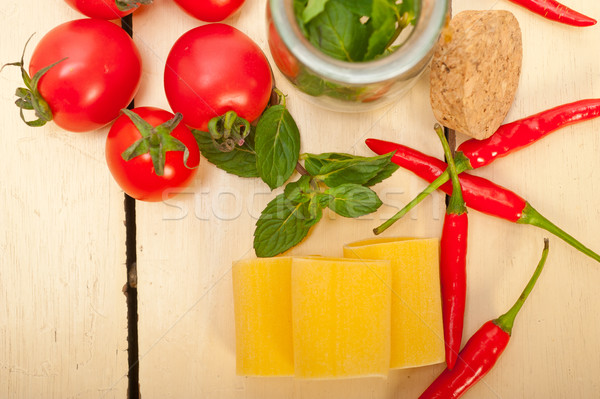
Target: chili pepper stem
{"type": "Point", "coordinates": [457, 204]}
{"type": "Point", "coordinates": [506, 321]}
{"type": "Point", "coordinates": [534, 218]}
{"type": "Point", "coordinates": [462, 164]}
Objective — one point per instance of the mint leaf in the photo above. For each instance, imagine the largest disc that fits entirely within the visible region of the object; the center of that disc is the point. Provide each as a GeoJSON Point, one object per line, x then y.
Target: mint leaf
{"type": "Point", "coordinates": [383, 174]}
{"type": "Point", "coordinates": [359, 7]}
{"type": "Point", "coordinates": [282, 225]}
{"type": "Point", "coordinates": [338, 32]}
{"type": "Point", "coordinates": [277, 146]}
{"type": "Point", "coordinates": [353, 200]}
{"type": "Point", "coordinates": [337, 169]}
{"type": "Point", "coordinates": [241, 161]}
{"type": "Point", "coordinates": [409, 9]}
{"type": "Point", "coordinates": [383, 24]}
{"type": "Point", "coordinates": [298, 191]}
{"type": "Point", "coordinates": [313, 8]}
{"type": "Point", "coordinates": [311, 84]}
{"type": "Point", "coordinates": [299, 6]}
{"type": "Point", "coordinates": [313, 162]}
{"type": "Point", "coordinates": [322, 199]}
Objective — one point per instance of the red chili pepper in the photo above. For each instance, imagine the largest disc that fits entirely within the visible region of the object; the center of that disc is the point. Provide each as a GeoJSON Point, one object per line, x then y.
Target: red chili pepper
{"type": "Point", "coordinates": [482, 350]}
{"type": "Point", "coordinates": [479, 193]}
{"type": "Point", "coordinates": [473, 154]}
{"type": "Point", "coordinates": [555, 11]}
{"type": "Point", "coordinates": [520, 134]}
{"type": "Point", "coordinates": [453, 261]}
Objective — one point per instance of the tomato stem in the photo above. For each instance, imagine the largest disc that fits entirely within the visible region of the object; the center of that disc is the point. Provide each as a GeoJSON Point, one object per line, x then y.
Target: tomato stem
{"type": "Point", "coordinates": [156, 141]}
{"type": "Point", "coordinates": [126, 5]}
{"type": "Point", "coordinates": [228, 130]}
{"type": "Point", "coordinates": [29, 98]}
{"type": "Point", "coordinates": [280, 97]}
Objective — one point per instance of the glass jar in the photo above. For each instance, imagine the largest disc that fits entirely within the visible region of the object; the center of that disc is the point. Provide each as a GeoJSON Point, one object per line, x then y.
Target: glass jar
{"type": "Point", "coordinates": [352, 86]}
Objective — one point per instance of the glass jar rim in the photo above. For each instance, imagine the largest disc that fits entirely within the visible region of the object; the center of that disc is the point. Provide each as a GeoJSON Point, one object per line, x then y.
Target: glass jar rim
{"type": "Point", "coordinates": [416, 47]}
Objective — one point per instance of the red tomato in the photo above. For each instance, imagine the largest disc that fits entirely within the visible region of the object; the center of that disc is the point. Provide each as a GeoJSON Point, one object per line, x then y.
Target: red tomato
{"type": "Point", "coordinates": [213, 69]}
{"type": "Point", "coordinates": [101, 9]}
{"type": "Point", "coordinates": [137, 177]}
{"type": "Point", "coordinates": [210, 10]}
{"type": "Point", "coordinates": [284, 59]}
{"type": "Point", "coordinates": [99, 77]}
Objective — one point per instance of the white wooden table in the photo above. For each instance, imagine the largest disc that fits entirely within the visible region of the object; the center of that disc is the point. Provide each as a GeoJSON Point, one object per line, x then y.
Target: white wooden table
{"type": "Point", "coordinates": [63, 324]}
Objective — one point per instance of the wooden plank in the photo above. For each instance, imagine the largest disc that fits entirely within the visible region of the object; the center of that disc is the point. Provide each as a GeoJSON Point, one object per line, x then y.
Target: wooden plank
{"type": "Point", "coordinates": [63, 326]}
{"type": "Point", "coordinates": [556, 335]}
{"type": "Point", "coordinates": [186, 245]}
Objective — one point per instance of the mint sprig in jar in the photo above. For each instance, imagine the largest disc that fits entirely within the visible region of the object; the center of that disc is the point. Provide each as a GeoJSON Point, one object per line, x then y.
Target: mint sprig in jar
{"type": "Point", "coordinates": [353, 55]}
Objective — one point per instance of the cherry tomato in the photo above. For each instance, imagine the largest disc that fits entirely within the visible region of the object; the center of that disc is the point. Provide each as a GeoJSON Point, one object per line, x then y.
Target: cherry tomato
{"type": "Point", "coordinates": [101, 9]}
{"type": "Point", "coordinates": [210, 10]}
{"type": "Point", "coordinates": [213, 69]}
{"type": "Point", "coordinates": [99, 76]}
{"type": "Point", "coordinates": [284, 59]}
{"type": "Point", "coordinates": [137, 176]}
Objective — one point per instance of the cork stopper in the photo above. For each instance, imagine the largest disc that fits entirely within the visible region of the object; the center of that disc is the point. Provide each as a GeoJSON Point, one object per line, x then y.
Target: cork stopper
{"type": "Point", "coordinates": [475, 71]}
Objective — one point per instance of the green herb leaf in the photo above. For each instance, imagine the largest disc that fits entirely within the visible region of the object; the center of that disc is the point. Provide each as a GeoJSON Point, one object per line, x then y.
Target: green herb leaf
{"type": "Point", "coordinates": [383, 24]}
{"type": "Point", "coordinates": [317, 203]}
{"type": "Point", "coordinates": [299, 191]}
{"type": "Point", "coordinates": [361, 8]}
{"type": "Point", "coordinates": [383, 174]}
{"type": "Point", "coordinates": [338, 32]}
{"type": "Point", "coordinates": [313, 8]}
{"type": "Point", "coordinates": [353, 200]}
{"type": "Point", "coordinates": [282, 225]}
{"type": "Point", "coordinates": [338, 169]}
{"type": "Point", "coordinates": [314, 162]}
{"type": "Point", "coordinates": [409, 9]}
{"type": "Point", "coordinates": [310, 83]}
{"type": "Point", "coordinates": [241, 161]}
{"type": "Point", "coordinates": [299, 6]}
{"type": "Point", "coordinates": [277, 146]}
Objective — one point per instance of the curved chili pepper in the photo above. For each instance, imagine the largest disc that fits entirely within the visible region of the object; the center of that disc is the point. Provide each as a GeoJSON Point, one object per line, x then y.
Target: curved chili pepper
{"type": "Point", "coordinates": [453, 261]}
{"type": "Point", "coordinates": [555, 11]}
{"type": "Point", "coordinates": [482, 350]}
{"type": "Point", "coordinates": [520, 134]}
{"type": "Point", "coordinates": [473, 154]}
{"type": "Point", "coordinates": [479, 193]}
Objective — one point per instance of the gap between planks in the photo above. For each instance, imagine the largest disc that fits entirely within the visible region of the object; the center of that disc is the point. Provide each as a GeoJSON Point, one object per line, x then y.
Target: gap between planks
{"type": "Point", "coordinates": [133, 374]}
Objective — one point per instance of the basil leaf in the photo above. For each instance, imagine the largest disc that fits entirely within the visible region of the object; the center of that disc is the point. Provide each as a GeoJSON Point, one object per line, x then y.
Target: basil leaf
{"type": "Point", "coordinates": [359, 7]}
{"type": "Point", "coordinates": [383, 23]}
{"type": "Point", "coordinates": [353, 200]}
{"type": "Point", "coordinates": [277, 146]}
{"type": "Point", "coordinates": [241, 161]}
{"type": "Point", "coordinates": [338, 32]}
{"type": "Point", "coordinates": [337, 169]}
{"type": "Point", "coordinates": [313, 8]}
{"type": "Point", "coordinates": [383, 174]}
{"type": "Point", "coordinates": [282, 224]}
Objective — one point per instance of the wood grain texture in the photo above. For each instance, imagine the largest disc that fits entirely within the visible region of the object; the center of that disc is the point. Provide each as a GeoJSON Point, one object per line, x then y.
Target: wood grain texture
{"type": "Point", "coordinates": [556, 337]}
{"type": "Point", "coordinates": [63, 319]}
{"type": "Point", "coordinates": [186, 246]}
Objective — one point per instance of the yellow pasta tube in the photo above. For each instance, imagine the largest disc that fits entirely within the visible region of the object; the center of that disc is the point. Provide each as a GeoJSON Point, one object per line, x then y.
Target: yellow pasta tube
{"type": "Point", "coordinates": [417, 337]}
